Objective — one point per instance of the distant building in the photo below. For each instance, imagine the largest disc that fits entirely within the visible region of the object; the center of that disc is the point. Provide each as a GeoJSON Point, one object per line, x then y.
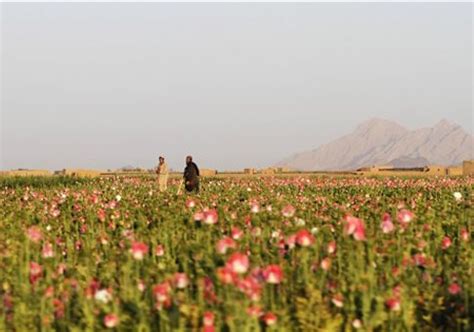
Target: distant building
{"type": "Point", "coordinates": [454, 171]}
{"type": "Point", "coordinates": [390, 170]}
{"type": "Point", "coordinates": [268, 171]}
{"type": "Point", "coordinates": [375, 168]}
{"type": "Point", "coordinates": [207, 172]}
{"type": "Point", "coordinates": [436, 170]}
{"type": "Point", "coordinates": [283, 169]}
{"type": "Point", "coordinates": [468, 167]}
{"type": "Point", "coordinates": [250, 171]}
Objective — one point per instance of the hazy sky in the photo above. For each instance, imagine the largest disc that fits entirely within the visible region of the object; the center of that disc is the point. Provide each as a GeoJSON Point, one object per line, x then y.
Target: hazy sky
{"type": "Point", "coordinates": [106, 85]}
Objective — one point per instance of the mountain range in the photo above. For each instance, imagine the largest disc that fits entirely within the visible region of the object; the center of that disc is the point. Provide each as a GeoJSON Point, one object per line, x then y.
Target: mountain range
{"type": "Point", "coordinates": [384, 142]}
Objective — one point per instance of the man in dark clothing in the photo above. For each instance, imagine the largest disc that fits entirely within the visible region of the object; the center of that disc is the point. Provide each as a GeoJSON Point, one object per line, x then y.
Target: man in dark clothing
{"type": "Point", "coordinates": [191, 175]}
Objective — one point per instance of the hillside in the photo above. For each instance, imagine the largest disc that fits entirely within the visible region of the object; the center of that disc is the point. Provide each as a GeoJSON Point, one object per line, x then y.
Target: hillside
{"type": "Point", "coordinates": [383, 142]}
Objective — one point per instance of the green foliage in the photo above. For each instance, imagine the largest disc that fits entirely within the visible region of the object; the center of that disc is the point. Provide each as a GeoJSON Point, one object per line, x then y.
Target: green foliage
{"type": "Point", "coordinates": [41, 181]}
{"type": "Point", "coordinates": [313, 314]}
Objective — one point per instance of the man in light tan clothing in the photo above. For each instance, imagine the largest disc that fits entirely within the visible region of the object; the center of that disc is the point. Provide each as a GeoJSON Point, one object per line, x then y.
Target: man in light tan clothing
{"type": "Point", "coordinates": [162, 171]}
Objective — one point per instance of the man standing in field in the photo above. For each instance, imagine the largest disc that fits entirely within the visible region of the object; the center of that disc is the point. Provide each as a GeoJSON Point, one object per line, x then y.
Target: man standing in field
{"type": "Point", "coordinates": [191, 176]}
{"type": "Point", "coordinates": [162, 171]}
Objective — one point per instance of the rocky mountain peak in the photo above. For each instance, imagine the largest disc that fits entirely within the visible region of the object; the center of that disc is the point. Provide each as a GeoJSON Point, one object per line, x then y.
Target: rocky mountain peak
{"type": "Point", "coordinates": [379, 141]}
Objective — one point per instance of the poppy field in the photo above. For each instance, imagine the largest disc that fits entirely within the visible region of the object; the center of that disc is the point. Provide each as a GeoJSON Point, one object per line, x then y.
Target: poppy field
{"type": "Point", "coordinates": [299, 253]}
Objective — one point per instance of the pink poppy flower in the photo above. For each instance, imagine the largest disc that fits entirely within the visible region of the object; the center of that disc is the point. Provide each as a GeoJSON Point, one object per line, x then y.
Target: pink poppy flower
{"type": "Point", "coordinates": [34, 234]}
{"type": "Point", "coordinates": [198, 216]}
{"type": "Point", "coordinates": [159, 250]}
{"type": "Point", "coordinates": [92, 288]}
{"type": "Point", "coordinates": [111, 321]}
{"type": "Point", "coordinates": [210, 328]}
{"type": "Point", "coordinates": [331, 248]}
{"type": "Point", "coordinates": [273, 274]}
{"type": "Point", "coordinates": [112, 205]}
{"type": "Point", "coordinates": [254, 311]}
{"type": "Point", "coordinates": [210, 217]}
{"type": "Point", "coordinates": [464, 235]}
{"type": "Point", "coordinates": [181, 280]}
{"type": "Point", "coordinates": [251, 287]}
{"type": "Point", "coordinates": [393, 304]}
{"type": "Point", "coordinates": [338, 300]}
{"type": "Point", "coordinates": [47, 251]}
{"type": "Point", "coordinates": [355, 227]}
{"type": "Point", "coordinates": [226, 275]}
{"type": "Point", "coordinates": [55, 213]}
{"type": "Point", "coordinates": [208, 318]}
{"type": "Point", "coordinates": [395, 271]}
{"type": "Point", "coordinates": [237, 233]}
{"type": "Point", "coordinates": [101, 215]}
{"type": "Point", "coordinates": [238, 263]}
{"type": "Point", "coordinates": [49, 292]}
{"type": "Point", "coordinates": [224, 244]}
{"type": "Point", "coordinates": [419, 260]}
{"type": "Point", "coordinates": [397, 291]}
{"type": "Point", "coordinates": [209, 293]}
{"type": "Point", "coordinates": [190, 203]}
{"type": "Point", "coordinates": [405, 216]}
{"type": "Point", "coordinates": [359, 234]}
{"type": "Point", "coordinates": [446, 243]}
{"type": "Point", "coordinates": [36, 272]}
{"type": "Point", "coordinates": [269, 319]}
{"type": "Point", "coordinates": [59, 308]}
{"type": "Point", "coordinates": [254, 207]}
{"type": "Point", "coordinates": [248, 221]}
{"type": "Point", "coordinates": [288, 211]}
{"type": "Point", "coordinates": [326, 264]}
{"type": "Point", "coordinates": [162, 294]}
{"type": "Point", "coordinates": [290, 241]}
{"type": "Point", "coordinates": [386, 225]}
{"type": "Point", "coordinates": [94, 199]}
{"type": "Point", "coordinates": [304, 238]}
{"type": "Point", "coordinates": [141, 286]}
{"type": "Point", "coordinates": [83, 228]}
{"type": "Point", "coordinates": [454, 288]}
{"type": "Point", "coordinates": [139, 250]}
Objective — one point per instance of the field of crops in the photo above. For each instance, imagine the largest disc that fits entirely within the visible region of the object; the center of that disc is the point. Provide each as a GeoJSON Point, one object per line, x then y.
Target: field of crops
{"type": "Point", "coordinates": [246, 254]}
